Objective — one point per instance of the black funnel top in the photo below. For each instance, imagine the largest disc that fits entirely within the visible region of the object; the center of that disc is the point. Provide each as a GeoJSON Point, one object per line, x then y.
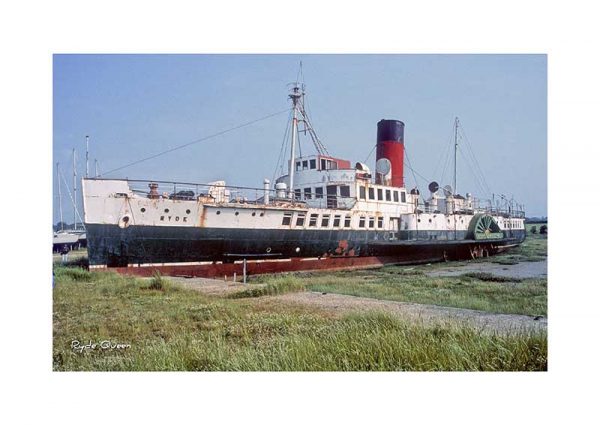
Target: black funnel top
{"type": "Point", "coordinates": [390, 130]}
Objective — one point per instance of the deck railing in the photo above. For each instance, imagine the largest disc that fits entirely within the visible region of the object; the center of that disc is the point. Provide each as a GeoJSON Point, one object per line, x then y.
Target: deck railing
{"type": "Point", "coordinates": [218, 192]}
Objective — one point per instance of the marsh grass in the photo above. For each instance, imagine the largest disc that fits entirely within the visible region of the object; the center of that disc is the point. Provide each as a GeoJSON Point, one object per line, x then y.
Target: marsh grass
{"type": "Point", "coordinates": [479, 291]}
{"type": "Point", "coordinates": [489, 277]}
{"type": "Point", "coordinates": [274, 285]}
{"type": "Point", "coordinates": [180, 329]}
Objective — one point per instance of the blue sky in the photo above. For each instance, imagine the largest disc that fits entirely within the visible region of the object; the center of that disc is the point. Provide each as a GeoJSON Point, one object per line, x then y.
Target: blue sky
{"type": "Point", "coordinates": [133, 106]}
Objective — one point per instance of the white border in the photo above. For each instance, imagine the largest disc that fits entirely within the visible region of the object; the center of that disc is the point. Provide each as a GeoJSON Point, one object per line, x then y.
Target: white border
{"type": "Point", "coordinates": [31, 33]}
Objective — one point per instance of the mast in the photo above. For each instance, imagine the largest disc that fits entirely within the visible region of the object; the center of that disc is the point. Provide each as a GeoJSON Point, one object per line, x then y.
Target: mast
{"type": "Point", "coordinates": [455, 150]}
{"type": "Point", "coordinates": [96, 166]}
{"type": "Point", "coordinates": [87, 155]}
{"type": "Point", "coordinates": [295, 96]}
{"type": "Point", "coordinates": [62, 226]}
{"type": "Point", "coordinates": [74, 193]}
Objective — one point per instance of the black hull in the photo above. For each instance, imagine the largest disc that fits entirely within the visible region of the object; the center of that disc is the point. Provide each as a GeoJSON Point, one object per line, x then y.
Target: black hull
{"type": "Point", "coordinates": [112, 246]}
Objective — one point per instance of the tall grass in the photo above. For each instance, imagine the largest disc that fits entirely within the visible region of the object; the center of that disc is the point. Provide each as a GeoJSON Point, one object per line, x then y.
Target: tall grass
{"type": "Point", "coordinates": [180, 329]}
{"type": "Point", "coordinates": [473, 291]}
{"type": "Point", "coordinates": [276, 285]}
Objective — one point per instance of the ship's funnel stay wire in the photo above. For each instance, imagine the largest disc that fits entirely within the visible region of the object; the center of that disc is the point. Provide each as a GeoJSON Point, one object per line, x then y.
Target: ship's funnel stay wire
{"type": "Point", "coordinates": [196, 141]}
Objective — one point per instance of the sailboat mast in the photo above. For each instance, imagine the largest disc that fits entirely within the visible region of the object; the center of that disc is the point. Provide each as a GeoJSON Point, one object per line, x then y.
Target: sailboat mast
{"type": "Point", "coordinates": [62, 226]}
{"type": "Point", "coordinates": [87, 155]}
{"type": "Point", "coordinates": [74, 192]}
{"type": "Point", "coordinates": [455, 150]}
{"type": "Point", "coordinates": [295, 95]}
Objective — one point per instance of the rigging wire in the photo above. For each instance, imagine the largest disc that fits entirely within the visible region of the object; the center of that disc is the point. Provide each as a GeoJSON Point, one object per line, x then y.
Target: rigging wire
{"type": "Point", "coordinates": [283, 146]}
{"type": "Point", "coordinates": [197, 141]}
{"type": "Point", "coordinates": [471, 169]}
{"type": "Point", "coordinates": [72, 200]}
{"type": "Point", "coordinates": [478, 170]}
{"type": "Point", "coordinates": [414, 173]}
{"type": "Point", "coordinates": [444, 153]}
{"type": "Point", "coordinates": [448, 160]}
{"type": "Point", "coordinates": [370, 153]}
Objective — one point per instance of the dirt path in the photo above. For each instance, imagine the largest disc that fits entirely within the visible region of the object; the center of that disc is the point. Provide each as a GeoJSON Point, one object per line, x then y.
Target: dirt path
{"type": "Point", "coordinates": [211, 286]}
{"type": "Point", "coordinates": [492, 322]}
{"type": "Point", "coordinates": [342, 304]}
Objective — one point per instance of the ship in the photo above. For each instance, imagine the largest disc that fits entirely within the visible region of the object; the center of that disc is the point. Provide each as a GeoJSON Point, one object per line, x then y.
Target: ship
{"type": "Point", "coordinates": [323, 212]}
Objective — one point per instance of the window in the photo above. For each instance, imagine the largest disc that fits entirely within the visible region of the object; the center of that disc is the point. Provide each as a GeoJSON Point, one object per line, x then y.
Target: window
{"type": "Point", "coordinates": [298, 166]}
{"type": "Point", "coordinates": [347, 221]}
{"type": "Point", "coordinates": [297, 194]}
{"type": "Point", "coordinates": [380, 194]}
{"type": "Point", "coordinates": [307, 193]}
{"type": "Point", "coordinates": [403, 196]}
{"type": "Point", "coordinates": [336, 220]}
{"type": "Point", "coordinates": [323, 164]}
{"type": "Point", "coordinates": [318, 193]}
{"type": "Point", "coordinates": [332, 196]}
{"type": "Point", "coordinates": [287, 219]}
{"type": "Point", "coordinates": [388, 195]}
{"type": "Point", "coordinates": [362, 192]}
{"type": "Point", "coordinates": [380, 222]}
{"type": "Point", "coordinates": [345, 191]}
{"type": "Point", "coordinates": [325, 220]}
{"type": "Point", "coordinates": [395, 196]}
{"type": "Point", "coordinates": [371, 193]}
{"type": "Point", "coordinates": [300, 219]}
{"type": "Point", "coordinates": [313, 220]}
{"type": "Point", "coordinates": [305, 165]}
{"type": "Point", "coordinates": [331, 165]}
{"type": "Point", "coordinates": [313, 164]}
{"type": "Point", "coordinates": [371, 222]}
{"type": "Point", "coordinates": [361, 222]}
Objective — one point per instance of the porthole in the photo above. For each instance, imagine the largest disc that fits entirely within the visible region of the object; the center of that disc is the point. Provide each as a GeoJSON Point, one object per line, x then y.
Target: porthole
{"type": "Point", "coordinates": [187, 211]}
{"type": "Point", "coordinates": [237, 213]}
{"type": "Point", "coordinates": [143, 210]}
{"type": "Point", "coordinates": [253, 214]}
{"type": "Point", "coordinates": [268, 249]}
{"type": "Point", "coordinates": [166, 210]}
{"type": "Point", "coordinates": [218, 212]}
{"type": "Point", "coordinates": [430, 220]}
{"type": "Point", "coordinates": [419, 220]}
{"type": "Point", "coordinates": [262, 214]}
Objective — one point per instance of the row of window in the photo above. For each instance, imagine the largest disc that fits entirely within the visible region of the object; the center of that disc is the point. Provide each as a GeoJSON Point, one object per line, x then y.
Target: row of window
{"type": "Point", "coordinates": [313, 220]}
{"type": "Point", "coordinates": [382, 195]}
{"type": "Point", "coordinates": [326, 164]}
{"type": "Point", "coordinates": [332, 192]}
{"type": "Point", "coordinates": [511, 225]}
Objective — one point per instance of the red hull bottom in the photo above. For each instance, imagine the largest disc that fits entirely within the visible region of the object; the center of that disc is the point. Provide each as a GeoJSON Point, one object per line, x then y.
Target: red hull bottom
{"type": "Point", "coordinates": [222, 270]}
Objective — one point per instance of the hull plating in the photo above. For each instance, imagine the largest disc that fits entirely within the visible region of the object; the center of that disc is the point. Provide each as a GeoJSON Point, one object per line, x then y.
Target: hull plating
{"type": "Point", "coordinates": [112, 246]}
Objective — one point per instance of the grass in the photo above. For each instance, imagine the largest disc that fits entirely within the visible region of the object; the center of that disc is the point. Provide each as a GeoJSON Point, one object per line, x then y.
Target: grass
{"type": "Point", "coordinates": [473, 291]}
{"type": "Point", "coordinates": [535, 248]}
{"type": "Point", "coordinates": [275, 285]}
{"type": "Point", "coordinates": [173, 328]}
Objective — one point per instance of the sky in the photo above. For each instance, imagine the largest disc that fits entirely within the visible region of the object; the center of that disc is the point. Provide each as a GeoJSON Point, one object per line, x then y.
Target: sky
{"type": "Point", "coordinates": [134, 106]}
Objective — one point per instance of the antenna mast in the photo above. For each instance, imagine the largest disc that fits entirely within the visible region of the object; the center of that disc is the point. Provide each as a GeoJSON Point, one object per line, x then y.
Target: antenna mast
{"type": "Point", "coordinates": [74, 193]}
{"type": "Point", "coordinates": [455, 150]}
{"type": "Point", "coordinates": [295, 96]}
{"type": "Point", "coordinates": [62, 226]}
